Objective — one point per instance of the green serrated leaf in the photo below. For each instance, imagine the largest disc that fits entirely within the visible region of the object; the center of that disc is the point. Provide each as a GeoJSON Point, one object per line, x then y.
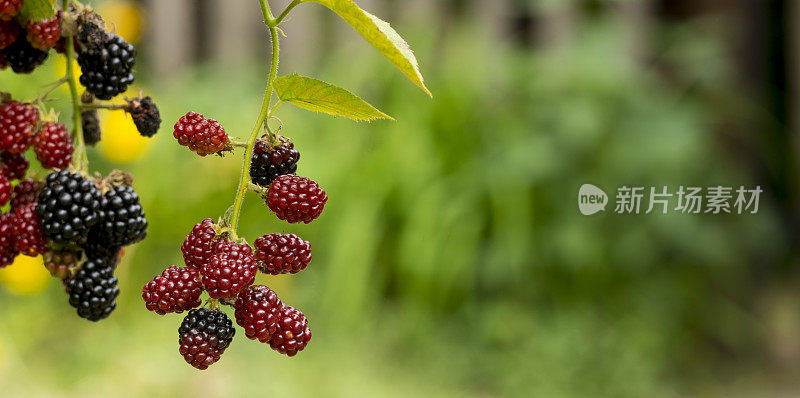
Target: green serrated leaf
{"type": "Point", "coordinates": [318, 96]}
{"type": "Point", "coordinates": [381, 35]}
{"type": "Point", "coordinates": [37, 9]}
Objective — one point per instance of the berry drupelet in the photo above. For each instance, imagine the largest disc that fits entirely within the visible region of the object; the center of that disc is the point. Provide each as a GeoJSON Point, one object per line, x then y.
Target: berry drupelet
{"type": "Point", "coordinates": [5, 190]}
{"type": "Point", "coordinates": [7, 250]}
{"type": "Point", "coordinates": [9, 32]}
{"type": "Point", "coordinates": [53, 146]}
{"type": "Point", "coordinates": [93, 290]}
{"type": "Point", "coordinates": [14, 165]}
{"type": "Point", "coordinates": [9, 9]}
{"type": "Point", "coordinates": [203, 336]}
{"type": "Point", "coordinates": [270, 162]}
{"type": "Point", "coordinates": [177, 289]}
{"type": "Point", "coordinates": [282, 254]}
{"type": "Point", "coordinates": [108, 72]}
{"type": "Point", "coordinates": [68, 207]}
{"type": "Point", "coordinates": [25, 193]}
{"type": "Point", "coordinates": [257, 311]}
{"type": "Point", "coordinates": [296, 199]}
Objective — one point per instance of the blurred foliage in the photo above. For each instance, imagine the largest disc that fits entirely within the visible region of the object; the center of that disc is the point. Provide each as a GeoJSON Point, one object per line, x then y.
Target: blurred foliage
{"type": "Point", "coordinates": [451, 259]}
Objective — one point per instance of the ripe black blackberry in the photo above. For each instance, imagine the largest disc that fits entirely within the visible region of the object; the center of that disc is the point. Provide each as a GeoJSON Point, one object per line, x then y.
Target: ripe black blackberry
{"type": "Point", "coordinates": [203, 336]}
{"type": "Point", "coordinates": [68, 207]}
{"type": "Point", "coordinates": [100, 249]}
{"type": "Point", "coordinates": [22, 57]}
{"type": "Point", "coordinates": [269, 162]}
{"type": "Point", "coordinates": [122, 218]}
{"type": "Point", "coordinates": [108, 72]}
{"type": "Point", "coordinates": [93, 290]}
{"type": "Point", "coordinates": [145, 115]}
{"type": "Point", "coordinates": [90, 121]}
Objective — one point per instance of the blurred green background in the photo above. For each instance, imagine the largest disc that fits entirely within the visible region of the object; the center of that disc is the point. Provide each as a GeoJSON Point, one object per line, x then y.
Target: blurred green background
{"type": "Point", "coordinates": [451, 259]}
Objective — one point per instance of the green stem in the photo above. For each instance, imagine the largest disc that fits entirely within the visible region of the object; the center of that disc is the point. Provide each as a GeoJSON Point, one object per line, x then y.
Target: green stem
{"type": "Point", "coordinates": [285, 12]}
{"type": "Point", "coordinates": [244, 177]}
{"type": "Point", "coordinates": [79, 159]}
{"type": "Point", "coordinates": [111, 107]}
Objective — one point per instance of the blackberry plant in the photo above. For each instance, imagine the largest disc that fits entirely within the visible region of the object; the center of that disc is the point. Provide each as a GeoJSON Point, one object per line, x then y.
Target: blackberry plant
{"type": "Point", "coordinates": [77, 220]}
{"type": "Point", "coordinates": [225, 263]}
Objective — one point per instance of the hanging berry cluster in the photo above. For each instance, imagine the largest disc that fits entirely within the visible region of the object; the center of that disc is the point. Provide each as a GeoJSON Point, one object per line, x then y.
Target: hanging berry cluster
{"type": "Point", "coordinates": [78, 222]}
{"type": "Point", "coordinates": [221, 263]}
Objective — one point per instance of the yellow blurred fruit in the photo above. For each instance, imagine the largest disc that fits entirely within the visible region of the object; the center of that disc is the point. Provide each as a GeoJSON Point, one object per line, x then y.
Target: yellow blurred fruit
{"type": "Point", "coordinates": [125, 18]}
{"type": "Point", "coordinates": [121, 142]}
{"type": "Point", "coordinates": [26, 276]}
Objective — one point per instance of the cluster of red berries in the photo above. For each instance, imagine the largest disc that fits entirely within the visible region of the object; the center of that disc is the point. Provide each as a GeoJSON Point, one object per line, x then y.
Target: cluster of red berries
{"type": "Point", "coordinates": [77, 222]}
{"type": "Point", "coordinates": [226, 267]}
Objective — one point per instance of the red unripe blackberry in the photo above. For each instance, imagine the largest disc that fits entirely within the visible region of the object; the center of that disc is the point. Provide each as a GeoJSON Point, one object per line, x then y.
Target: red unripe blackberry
{"type": "Point", "coordinates": [3, 62]}
{"type": "Point", "coordinates": [53, 146]}
{"type": "Point", "coordinates": [93, 290]}
{"type": "Point", "coordinates": [29, 237]}
{"type": "Point", "coordinates": [25, 193]}
{"type": "Point", "coordinates": [90, 121]}
{"type": "Point", "coordinates": [22, 57]}
{"type": "Point", "coordinates": [257, 311]}
{"type": "Point", "coordinates": [203, 336]}
{"type": "Point", "coordinates": [17, 122]}
{"type": "Point", "coordinates": [177, 289]}
{"type": "Point", "coordinates": [61, 263]}
{"type": "Point", "coordinates": [145, 115]}
{"type": "Point", "coordinates": [44, 34]}
{"type": "Point", "coordinates": [293, 333]}
{"type": "Point", "coordinates": [9, 9]}
{"type": "Point", "coordinates": [7, 251]}
{"type": "Point", "coordinates": [108, 72]}
{"type": "Point", "coordinates": [123, 220]}
{"type": "Point", "coordinates": [9, 32]}
{"type": "Point", "coordinates": [282, 254]}
{"type": "Point", "coordinates": [296, 199]}
{"type": "Point", "coordinates": [14, 165]}
{"type": "Point", "coordinates": [68, 207]}
{"type": "Point", "coordinates": [197, 248]}
{"type": "Point", "coordinates": [231, 269]}
{"type": "Point", "coordinates": [5, 190]}
{"type": "Point", "coordinates": [269, 162]}
{"type": "Point", "coordinates": [202, 135]}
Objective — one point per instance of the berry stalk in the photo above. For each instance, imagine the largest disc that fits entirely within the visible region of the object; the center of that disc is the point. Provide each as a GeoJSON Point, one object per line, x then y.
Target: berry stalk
{"type": "Point", "coordinates": [244, 178]}
{"type": "Point", "coordinates": [79, 159]}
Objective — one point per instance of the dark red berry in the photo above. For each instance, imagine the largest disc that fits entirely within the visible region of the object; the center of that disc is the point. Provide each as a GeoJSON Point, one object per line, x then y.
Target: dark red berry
{"type": "Point", "coordinates": [44, 33]}
{"type": "Point", "coordinates": [293, 333]}
{"type": "Point", "coordinates": [17, 122]}
{"type": "Point", "coordinates": [231, 269]}
{"type": "Point", "coordinates": [5, 190]}
{"type": "Point", "coordinates": [145, 115]}
{"type": "Point", "coordinates": [296, 199]}
{"type": "Point", "coordinates": [269, 162]}
{"type": "Point", "coordinates": [22, 57]}
{"type": "Point", "coordinates": [14, 165]}
{"type": "Point", "coordinates": [282, 254]}
{"type": "Point", "coordinates": [197, 248]}
{"type": "Point", "coordinates": [29, 237]}
{"type": "Point", "coordinates": [9, 9]}
{"type": "Point", "coordinates": [61, 263]}
{"type": "Point", "coordinates": [202, 135]}
{"type": "Point", "coordinates": [9, 31]}
{"type": "Point", "coordinates": [177, 289]}
{"type": "Point", "coordinates": [257, 311]}
{"type": "Point", "coordinates": [7, 251]}
{"type": "Point", "coordinates": [25, 193]}
{"type": "Point", "coordinates": [203, 336]}
{"type": "Point", "coordinates": [3, 62]}
{"type": "Point", "coordinates": [53, 146]}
